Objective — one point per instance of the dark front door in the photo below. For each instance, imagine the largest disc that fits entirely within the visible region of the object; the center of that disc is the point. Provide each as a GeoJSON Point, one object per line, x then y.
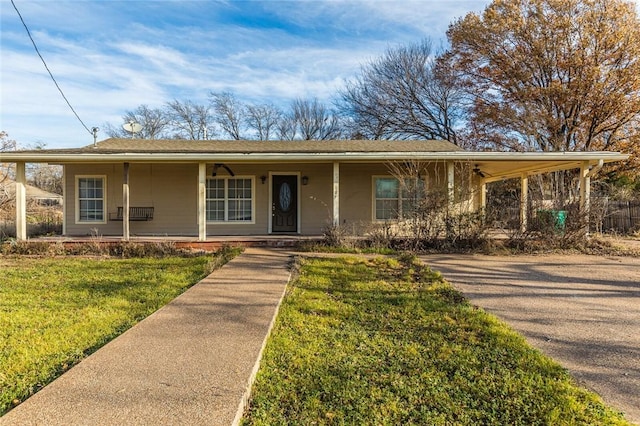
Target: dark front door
{"type": "Point", "coordinates": [284, 207]}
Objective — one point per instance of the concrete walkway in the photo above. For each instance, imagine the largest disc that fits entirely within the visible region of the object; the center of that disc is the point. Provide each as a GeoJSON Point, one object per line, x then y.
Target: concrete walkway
{"type": "Point", "coordinates": [583, 311]}
{"type": "Point", "coordinates": [188, 363]}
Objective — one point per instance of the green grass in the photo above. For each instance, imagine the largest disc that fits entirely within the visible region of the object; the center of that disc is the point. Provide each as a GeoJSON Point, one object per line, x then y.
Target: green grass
{"type": "Point", "coordinates": [55, 311]}
{"type": "Point", "coordinates": [386, 341]}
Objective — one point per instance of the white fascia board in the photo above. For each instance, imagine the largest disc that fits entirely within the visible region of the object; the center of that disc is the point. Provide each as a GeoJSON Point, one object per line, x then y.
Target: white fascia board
{"type": "Point", "coordinates": [89, 157]}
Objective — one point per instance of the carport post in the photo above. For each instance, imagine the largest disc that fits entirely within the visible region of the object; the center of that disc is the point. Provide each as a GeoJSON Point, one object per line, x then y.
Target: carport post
{"type": "Point", "coordinates": [585, 192]}
{"type": "Point", "coordinates": [21, 201]}
{"type": "Point", "coordinates": [524, 201]}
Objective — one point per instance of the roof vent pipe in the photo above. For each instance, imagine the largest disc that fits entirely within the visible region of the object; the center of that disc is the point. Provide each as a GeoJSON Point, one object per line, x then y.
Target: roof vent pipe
{"type": "Point", "coordinates": [95, 130]}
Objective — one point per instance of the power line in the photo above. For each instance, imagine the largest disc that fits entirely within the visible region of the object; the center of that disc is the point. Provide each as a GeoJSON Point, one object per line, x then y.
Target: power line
{"type": "Point", "coordinates": [47, 68]}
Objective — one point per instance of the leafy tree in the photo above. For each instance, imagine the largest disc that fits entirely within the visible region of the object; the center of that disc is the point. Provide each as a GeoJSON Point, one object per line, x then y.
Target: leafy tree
{"type": "Point", "coordinates": [551, 75]}
{"type": "Point", "coordinates": [404, 94]}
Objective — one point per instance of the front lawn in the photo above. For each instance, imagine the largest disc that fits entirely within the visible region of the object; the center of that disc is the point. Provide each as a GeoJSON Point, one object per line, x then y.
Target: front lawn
{"type": "Point", "coordinates": [386, 341]}
{"type": "Point", "coordinates": [54, 311]}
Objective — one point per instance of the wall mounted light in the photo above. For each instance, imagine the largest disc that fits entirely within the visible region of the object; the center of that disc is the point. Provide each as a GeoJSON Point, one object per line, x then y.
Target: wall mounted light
{"type": "Point", "coordinates": [305, 180]}
{"type": "Point", "coordinates": [263, 179]}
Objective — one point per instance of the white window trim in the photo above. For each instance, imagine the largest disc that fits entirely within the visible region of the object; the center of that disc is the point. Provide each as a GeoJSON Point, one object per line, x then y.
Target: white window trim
{"type": "Point", "coordinates": [226, 207]}
{"type": "Point", "coordinates": [373, 198]}
{"type": "Point", "coordinates": [104, 199]}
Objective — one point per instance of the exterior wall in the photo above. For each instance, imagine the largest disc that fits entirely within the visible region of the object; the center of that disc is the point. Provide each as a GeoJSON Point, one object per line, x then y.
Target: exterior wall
{"type": "Point", "coordinates": [314, 198]}
{"type": "Point", "coordinates": [356, 193]}
{"type": "Point", "coordinates": [356, 190]}
{"type": "Point", "coordinates": [172, 190]}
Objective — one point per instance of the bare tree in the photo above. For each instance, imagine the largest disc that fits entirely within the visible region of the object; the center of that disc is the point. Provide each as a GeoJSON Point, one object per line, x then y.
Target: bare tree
{"type": "Point", "coordinates": [189, 120]}
{"type": "Point", "coordinates": [6, 169]}
{"type": "Point", "coordinates": [405, 94]}
{"type": "Point", "coordinates": [263, 119]}
{"type": "Point", "coordinates": [47, 177]}
{"type": "Point", "coordinates": [154, 122]}
{"type": "Point", "coordinates": [229, 113]}
{"type": "Point", "coordinates": [286, 128]}
{"type": "Point", "coordinates": [314, 120]}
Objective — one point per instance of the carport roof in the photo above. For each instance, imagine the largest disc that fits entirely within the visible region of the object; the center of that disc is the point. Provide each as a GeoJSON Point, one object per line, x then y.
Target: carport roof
{"type": "Point", "coordinates": [493, 165]}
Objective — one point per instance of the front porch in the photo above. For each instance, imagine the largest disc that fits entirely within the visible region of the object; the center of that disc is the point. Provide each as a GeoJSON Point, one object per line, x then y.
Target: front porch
{"type": "Point", "coordinates": [212, 189]}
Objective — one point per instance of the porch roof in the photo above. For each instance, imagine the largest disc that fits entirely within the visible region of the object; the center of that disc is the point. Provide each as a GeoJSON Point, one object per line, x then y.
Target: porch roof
{"type": "Point", "coordinates": [492, 165]}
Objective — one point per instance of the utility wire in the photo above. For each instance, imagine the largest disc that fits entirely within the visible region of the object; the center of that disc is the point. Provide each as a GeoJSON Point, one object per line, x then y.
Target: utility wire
{"type": "Point", "coordinates": [50, 74]}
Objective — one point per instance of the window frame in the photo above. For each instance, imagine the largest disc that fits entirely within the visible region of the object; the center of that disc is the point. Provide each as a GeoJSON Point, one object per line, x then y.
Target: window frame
{"type": "Point", "coordinates": [400, 199]}
{"type": "Point", "coordinates": [226, 200]}
{"type": "Point", "coordinates": [104, 200]}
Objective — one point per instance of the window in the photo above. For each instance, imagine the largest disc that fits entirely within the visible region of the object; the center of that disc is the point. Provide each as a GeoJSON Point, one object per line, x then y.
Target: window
{"type": "Point", "coordinates": [394, 199]}
{"type": "Point", "coordinates": [387, 198]}
{"type": "Point", "coordinates": [230, 200]}
{"type": "Point", "coordinates": [91, 199]}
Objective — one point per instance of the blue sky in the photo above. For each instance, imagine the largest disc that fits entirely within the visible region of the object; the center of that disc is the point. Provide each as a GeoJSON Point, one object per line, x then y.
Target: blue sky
{"type": "Point", "coordinates": [111, 56]}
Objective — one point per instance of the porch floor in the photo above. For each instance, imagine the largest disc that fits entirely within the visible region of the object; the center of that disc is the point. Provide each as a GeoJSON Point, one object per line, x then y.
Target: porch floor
{"type": "Point", "coordinates": [211, 243]}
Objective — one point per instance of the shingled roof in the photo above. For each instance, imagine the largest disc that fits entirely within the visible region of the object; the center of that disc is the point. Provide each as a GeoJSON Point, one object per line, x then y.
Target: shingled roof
{"type": "Point", "coordinates": [495, 165]}
{"type": "Point", "coordinates": [117, 145]}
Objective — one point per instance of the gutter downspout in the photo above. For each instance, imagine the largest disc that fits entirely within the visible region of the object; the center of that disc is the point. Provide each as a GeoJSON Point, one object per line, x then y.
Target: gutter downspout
{"type": "Point", "coordinates": [595, 168]}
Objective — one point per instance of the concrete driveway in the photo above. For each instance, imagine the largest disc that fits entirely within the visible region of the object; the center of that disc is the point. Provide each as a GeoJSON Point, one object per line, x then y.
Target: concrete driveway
{"type": "Point", "coordinates": [583, 311]}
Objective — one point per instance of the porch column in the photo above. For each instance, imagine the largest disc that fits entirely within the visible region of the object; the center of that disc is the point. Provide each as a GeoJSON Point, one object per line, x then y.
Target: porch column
{"type": "Point", "coordinates": [125, 202]}
{"type": "Point", "coordinates": [524, 201]}
{"type": "Point", "coordinates": [483, 196]}
{"type": "Point", "coordinates": [21, 201]}
{"type": "Point", "coordinates": [450, 183]}
{"type": "Point", "coordinates": [202, 202]}
{"type": "Point", "coordinates": [585, 192]}
{"type": "Point", "coordinates": [336, 193]}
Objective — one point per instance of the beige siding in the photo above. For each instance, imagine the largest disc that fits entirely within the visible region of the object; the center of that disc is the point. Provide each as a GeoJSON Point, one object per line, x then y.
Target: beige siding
{"type": "Point", "coordinates": [70, 176]}
{"type": "Point", "coordinates": [314, 201]}
{"type": "Point", "coordinates": [171, 189]}
{"type": "Point", "coordinates": [356, 192]}
{"type": "Point", "coordinates": [316, 198]}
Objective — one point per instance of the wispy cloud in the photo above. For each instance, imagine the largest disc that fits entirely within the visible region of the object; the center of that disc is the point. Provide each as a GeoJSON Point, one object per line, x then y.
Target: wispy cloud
{"type": "Point", "coordinates": [111, 56]}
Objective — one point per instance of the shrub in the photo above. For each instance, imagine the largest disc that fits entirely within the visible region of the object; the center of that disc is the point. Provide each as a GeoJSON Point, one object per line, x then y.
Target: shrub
{"type": "Point", "coordinates": [95, 248]}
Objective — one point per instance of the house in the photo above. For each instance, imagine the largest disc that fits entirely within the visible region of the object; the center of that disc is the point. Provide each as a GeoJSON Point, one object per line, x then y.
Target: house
{"type": "Point", "coordinates": [39, 196]}
{"type": "Point", "coordinates": [127, 187]}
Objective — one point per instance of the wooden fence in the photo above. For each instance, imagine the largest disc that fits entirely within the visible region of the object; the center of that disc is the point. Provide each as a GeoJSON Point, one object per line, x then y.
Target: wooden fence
{"type": "Point", "coordinates": [620, 216]}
